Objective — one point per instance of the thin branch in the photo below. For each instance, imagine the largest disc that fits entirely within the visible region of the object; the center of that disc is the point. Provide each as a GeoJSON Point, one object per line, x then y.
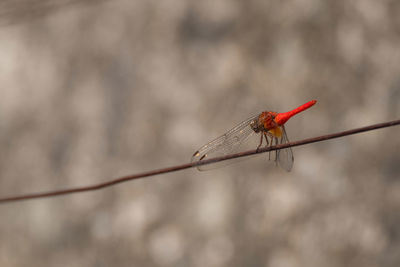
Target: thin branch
{"type": "Point", "coordinates": [199, 163]}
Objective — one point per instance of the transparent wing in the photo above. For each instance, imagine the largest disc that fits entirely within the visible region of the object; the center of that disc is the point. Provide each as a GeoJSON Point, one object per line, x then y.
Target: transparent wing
{"type": "Point", "coordinates": [228, 143]}
{"type": "Point", "coordinates": [285, 156]}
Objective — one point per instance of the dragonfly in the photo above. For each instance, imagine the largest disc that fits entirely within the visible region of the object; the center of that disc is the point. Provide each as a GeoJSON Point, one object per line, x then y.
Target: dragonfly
{"type": "Point", "coordinates": [269, 125]}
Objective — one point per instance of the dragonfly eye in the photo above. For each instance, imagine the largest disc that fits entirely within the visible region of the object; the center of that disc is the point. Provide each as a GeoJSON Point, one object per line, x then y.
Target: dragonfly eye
{"type": "Point", "coordinates": [254, 126]}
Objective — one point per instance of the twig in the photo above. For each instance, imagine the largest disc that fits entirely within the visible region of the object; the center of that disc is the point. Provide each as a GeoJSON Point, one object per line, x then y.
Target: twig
{"type": "Point", "coordinates": [199, 163]}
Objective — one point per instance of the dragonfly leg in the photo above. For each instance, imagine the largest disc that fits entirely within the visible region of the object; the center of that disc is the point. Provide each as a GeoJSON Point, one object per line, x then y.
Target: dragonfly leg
{"type": "Point", "coordinates": [276, 151]}
{"type": "Point", "coordinates": [261, 140]}
{"type": "Point", "coordinates": [271, 144]}
{"type": "Point", "coordinates": [266, 138]}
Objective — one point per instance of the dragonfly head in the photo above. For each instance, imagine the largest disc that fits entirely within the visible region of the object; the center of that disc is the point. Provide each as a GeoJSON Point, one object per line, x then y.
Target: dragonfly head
{"type": "Point", "coordinates": [254, 125]}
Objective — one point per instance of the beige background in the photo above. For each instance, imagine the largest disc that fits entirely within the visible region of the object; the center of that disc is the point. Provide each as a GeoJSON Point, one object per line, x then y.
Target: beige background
{"type": "Point", "coordinates": [93, 90]}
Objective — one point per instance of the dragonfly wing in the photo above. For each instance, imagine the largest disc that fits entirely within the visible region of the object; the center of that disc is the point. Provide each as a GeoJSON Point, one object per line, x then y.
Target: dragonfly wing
{"type": "Point", "coordinates": [228, 143]}
{"type": "Point", "coordinates": [285, 156]}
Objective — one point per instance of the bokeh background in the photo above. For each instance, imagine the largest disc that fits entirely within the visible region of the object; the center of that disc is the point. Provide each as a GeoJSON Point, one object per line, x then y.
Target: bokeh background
{"type": "Point", "coordinates": [94, 90]}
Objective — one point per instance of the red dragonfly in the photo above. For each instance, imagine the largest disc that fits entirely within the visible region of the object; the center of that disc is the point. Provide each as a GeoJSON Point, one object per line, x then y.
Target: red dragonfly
{"type": "Point", "coordinates": [268, 124]}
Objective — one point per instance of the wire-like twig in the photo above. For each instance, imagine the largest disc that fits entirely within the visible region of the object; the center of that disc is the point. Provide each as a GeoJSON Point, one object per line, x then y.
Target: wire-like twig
{"type": "Point", "coordinates": [199, 163]}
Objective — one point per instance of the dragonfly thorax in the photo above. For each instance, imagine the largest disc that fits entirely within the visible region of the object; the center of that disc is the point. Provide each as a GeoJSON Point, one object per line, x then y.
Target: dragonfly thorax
{"type": "Point", "coordinates": [264, 122]}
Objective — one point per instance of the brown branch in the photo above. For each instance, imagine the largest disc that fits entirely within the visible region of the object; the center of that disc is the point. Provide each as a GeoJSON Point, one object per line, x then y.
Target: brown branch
{"type": "Point", "coordinates": [199, 163]}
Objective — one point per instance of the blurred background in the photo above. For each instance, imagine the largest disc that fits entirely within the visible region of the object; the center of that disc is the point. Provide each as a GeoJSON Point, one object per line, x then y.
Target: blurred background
{"type": "Point", "coordinates": [94, 90]}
